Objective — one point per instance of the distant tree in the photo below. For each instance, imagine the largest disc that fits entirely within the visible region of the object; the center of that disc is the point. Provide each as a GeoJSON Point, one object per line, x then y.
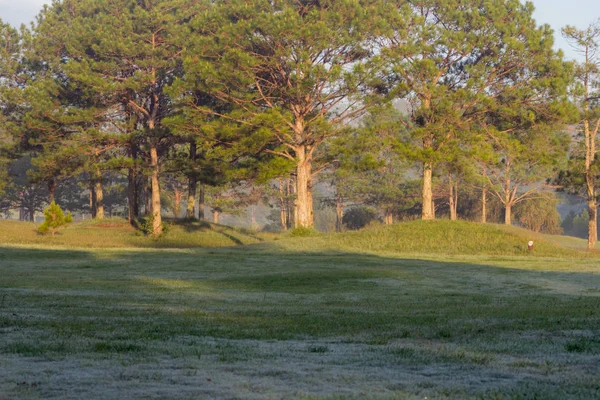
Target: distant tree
{"type": "Point", "coordinates": [55, 219]}
{"type": "Point", "coordinates": [576, 224]}
{"type": "Point", "coordinates": [587, 97]}
{"type": "Point", "coordinates": [540, 214]}
{"type": "Point", "coordinates": [222, 200]}
{"type": "Point", "coordinates": [527, 160]}
{"type": "Point", "coordinates": [359, 217]}
{"type": "Point", "coordinates": [371, 166]}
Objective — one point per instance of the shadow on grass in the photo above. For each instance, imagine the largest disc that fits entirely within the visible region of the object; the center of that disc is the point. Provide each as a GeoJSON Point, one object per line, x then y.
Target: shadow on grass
{"type": "Point", "coordinates": [193, 225]}
{"type": "Point", "coordinates": [283, 295]}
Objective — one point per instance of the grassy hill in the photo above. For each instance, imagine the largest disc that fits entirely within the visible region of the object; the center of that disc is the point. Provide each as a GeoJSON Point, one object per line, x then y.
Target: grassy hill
{"type": "Point", "coordinates": [441, 237]}
{"type": "Point", "coordinates": [118, 233]}
{"type": "Point", "coordinates": [417, 237]}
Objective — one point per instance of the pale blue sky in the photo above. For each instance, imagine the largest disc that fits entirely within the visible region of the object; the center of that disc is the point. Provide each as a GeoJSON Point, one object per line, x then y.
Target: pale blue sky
{"type": "Point", "coordinates": [557, 13]}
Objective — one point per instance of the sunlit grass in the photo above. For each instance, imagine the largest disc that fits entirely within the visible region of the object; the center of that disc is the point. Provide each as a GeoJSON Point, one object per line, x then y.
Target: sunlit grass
{"type": "Point", "coordinates": [118, 233]}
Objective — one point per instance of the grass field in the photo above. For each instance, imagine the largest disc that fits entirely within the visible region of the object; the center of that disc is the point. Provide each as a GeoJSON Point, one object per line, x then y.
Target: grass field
{"type": "Point", "coordinates": [412, 311]}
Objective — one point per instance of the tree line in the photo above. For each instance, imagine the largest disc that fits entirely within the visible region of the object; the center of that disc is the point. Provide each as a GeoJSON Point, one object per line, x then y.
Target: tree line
{"type": "Point", "coordinates": [405, 105]}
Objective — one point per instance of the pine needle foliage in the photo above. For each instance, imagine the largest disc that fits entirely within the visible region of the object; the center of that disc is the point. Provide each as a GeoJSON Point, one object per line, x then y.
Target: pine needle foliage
{"type": "Point", "coordinates": [55, 219]}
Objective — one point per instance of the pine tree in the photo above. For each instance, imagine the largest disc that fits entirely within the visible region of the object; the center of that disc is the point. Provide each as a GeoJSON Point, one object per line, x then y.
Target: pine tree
{"type": "Point", "coordinates": [124, 54]}
{"type": "Point", "coordinates": [55, 219]}
{"type": "Point", "coordinates": [11, 46]}
{"type": "Point", "coordinates": [587, 97]}
{"type": "Point", "coordinates": [456, 60]}
{"type": "Point", "coordinates": [527, 160]}
{"type": "Point", "coordinates": [292, 72]}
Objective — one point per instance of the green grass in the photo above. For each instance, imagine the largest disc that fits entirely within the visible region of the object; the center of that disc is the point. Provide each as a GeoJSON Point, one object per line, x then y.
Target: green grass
{"type": "Point", "coordinates": [117, 233]}
{"type": "Point", "coordinates": [443, 237]}
{"type": "Point", "coordinates": [387, 313]}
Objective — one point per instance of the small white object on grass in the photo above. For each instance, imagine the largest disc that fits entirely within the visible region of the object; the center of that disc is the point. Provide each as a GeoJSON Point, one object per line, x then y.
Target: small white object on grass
{"type": "Point", "coordinates": [530, 245]}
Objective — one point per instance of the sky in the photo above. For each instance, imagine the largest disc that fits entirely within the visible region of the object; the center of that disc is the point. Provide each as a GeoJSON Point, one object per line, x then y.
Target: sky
{"type": "Point", "coordinates": [556, 13]}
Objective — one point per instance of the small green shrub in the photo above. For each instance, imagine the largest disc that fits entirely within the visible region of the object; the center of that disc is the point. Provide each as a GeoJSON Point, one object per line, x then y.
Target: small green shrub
{"type": "Point", "coordinates": [146, 226]}
{"type": "Point", "coordinates": [55, 219]}
{"type": "Point", "coordinates": [303, 232]}
{"type": "Point", "coordinates": [359, 217]}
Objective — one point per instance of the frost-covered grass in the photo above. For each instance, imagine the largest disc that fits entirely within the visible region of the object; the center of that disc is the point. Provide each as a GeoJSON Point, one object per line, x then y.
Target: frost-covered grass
{"type": "Point", "coordinates": [287, 319]}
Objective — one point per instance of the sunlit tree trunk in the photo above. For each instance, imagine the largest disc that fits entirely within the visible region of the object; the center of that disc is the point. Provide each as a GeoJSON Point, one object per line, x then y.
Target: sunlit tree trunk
{"type": "Point", "coordinates": [283, 212]}
{"type": "Point", "coordinates": [453, 198]}
{"type": "Point", "coordinates": [192, 184]}
{"type": "Point", "coordinates": [428, 212]}
{"type": "Point", "coordinates": [157, 221]}
{"type": "Point", "coordinates": [303, 209]}
{"type": "Point", "coordinates": [484, 206]}
{"type": "Point", "coordinates": [178, 197]}
{"type": "Point", "coordinates": [389, 217]}
{"type": "Point", "coordinates": [99, 199]}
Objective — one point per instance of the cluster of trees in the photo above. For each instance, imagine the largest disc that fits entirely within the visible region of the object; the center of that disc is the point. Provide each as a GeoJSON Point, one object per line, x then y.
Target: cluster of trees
{"type": "Point", "coordinates": [407, 106]}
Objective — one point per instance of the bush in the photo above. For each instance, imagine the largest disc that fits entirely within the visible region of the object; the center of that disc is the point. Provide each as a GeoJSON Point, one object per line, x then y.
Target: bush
{"type": "Point", "coordinates": [146, 226]}
{"type": "Point", "coordinates": [55, 219]}
{"type": "Point", "coordinates": [540, 215]}
{"type": "Point", "coordinates": [359, 217]}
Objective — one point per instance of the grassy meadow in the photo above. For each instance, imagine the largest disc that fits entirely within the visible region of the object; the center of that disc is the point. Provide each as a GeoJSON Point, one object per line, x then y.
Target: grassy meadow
{"type": "Point", "coordinates": [417, 310]}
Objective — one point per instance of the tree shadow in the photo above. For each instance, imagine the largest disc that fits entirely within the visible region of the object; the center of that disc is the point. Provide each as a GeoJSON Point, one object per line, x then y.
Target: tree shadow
{"type": "Point", "coordinates": [413, 312]}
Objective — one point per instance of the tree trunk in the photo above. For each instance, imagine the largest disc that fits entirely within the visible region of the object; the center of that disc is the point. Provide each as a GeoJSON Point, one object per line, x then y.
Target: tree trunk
{"type": "Point", "coordinates": [389, 217]}
{"type": "Point", "coordinates": [201, 202]}
{"type": "Point", "coordinates": [192, 183]}
{"type": "Point", "coordinates": [452, 198]}
{"type": "Point", "coordinates": [303, 209]}
{"type": "Point", "coordinates": [339, 213]}
{"type": "Point", "coordinates": [51, 189]}
{"type": "Point", "coordinates": [283, 212]}
{"type": "Point", "coordinates": [191, 201]}
{"type": "Point", "coordinates": [93, 202]}
{"type": "Point", "coordinates": [148, 195]}
{"type": "Point", "coordinates": [178, 196]}
{"type": "Point", "coordinates": [592, 223]}
{"type": "Point", "coordinates": [32, 205]}
{"type": "Point", "coordinates": [508, 214]}
{"type": "Point", "coordinates": [484, 206]}
{"type": "Point", "coordinates": [508, 198]}
{"type": "Point", "coordinates": [590, 184]}
{"type": "Point", "coordinates": [283, 216]}
{"type": "Point", "coordinates": [157, 221]}
{"type": "Point", "coordinates": [291, 210]}
{"type": "Point", "coordinates": [428, 212]}
{"type": "Point", "coordinates": [131, 195]}
{"type": "Point", "coordinates": [99, 197]}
